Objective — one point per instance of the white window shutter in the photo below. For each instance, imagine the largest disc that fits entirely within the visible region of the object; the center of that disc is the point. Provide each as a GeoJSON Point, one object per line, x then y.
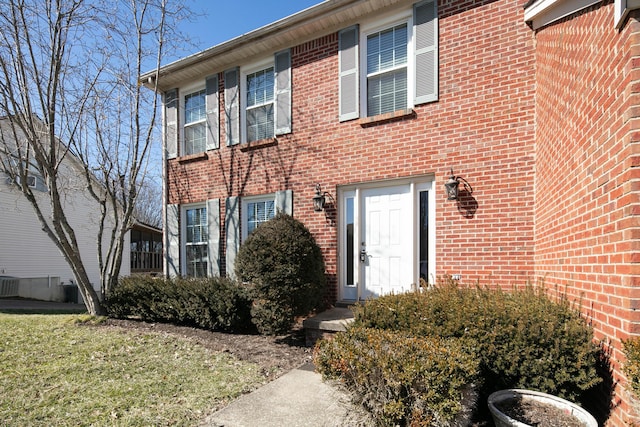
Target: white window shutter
{"type": "Point", "coordinates": [232, 228]}
{"type": "Point", "coordinates": [349, 80]}
{"type": "Point", "coordinates": [283, 92]}
{"type": "Point", "coordinates": [284, 202]}
{"type": "Point", "coordinates": [213, 227]}
{"type": "Point", "coordinates": [232, 105]}
{"type": "Point", "coordinates": [171, 123]}
{"type": "Point", "coordinates": [213, 116]}
{"type": "Point", "coordinates": [425, 36]}
{"type": "Point", "coordinates": [172, 241]}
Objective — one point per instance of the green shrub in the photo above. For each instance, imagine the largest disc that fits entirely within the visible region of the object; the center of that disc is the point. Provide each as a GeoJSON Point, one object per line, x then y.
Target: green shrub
{"type": "Point", "coordinates": [521, 338]}
{"type": "Point", "coordinates": [631, 368]}
{"type": "Point", "coordinates": [215, 303]}
{"type": "Point", "coordinates": [282, 267]}
{"type": "Point", "coordinates": [401, 379]}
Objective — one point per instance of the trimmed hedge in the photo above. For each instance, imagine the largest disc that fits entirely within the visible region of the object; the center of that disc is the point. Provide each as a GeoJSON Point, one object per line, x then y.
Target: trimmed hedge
{"type": "Point", "coordinates": [402, 379]}
{"type": "Point", "coordinates": [283, 270]}
{"type": "Point", "coordinates": [522, 338]}
{"type": "Point", "coordinates": [215, 303]}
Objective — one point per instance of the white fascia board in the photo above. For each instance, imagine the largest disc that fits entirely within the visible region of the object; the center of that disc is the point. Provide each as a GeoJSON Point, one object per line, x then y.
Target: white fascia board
{"type": "Point", "coordinates": [622, 9]}
{"type": "Point", "coordinates": [544, 12]}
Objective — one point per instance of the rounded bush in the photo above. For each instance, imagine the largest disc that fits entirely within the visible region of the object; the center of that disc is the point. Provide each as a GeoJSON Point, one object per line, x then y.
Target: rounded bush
{"type": "Point", "coordinates": [283, 269]}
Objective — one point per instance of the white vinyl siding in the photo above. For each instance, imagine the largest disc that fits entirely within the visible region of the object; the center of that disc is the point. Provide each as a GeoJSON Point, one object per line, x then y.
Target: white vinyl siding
{"type": "Point", "coordinates": [27, 252]}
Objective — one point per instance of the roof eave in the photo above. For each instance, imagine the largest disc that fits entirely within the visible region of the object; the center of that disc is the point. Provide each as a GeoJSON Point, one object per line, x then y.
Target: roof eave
{"type": "Point", "coordinates": [307, 24]}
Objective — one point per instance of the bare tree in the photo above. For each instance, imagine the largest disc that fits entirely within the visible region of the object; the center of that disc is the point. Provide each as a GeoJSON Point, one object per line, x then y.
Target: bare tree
{"type": "Point", "coordinates": [69, 91]}
{"type": "Point", "coordinates": [149, 203]}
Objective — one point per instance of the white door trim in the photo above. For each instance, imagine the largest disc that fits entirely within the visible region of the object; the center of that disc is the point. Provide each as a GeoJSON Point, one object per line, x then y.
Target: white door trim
{"type": "Point", "coordinates": [417, 185]}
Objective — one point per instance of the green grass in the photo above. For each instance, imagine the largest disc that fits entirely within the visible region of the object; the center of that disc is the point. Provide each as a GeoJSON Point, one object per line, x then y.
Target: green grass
{"type": "Point", "coordinates": [56, 372]}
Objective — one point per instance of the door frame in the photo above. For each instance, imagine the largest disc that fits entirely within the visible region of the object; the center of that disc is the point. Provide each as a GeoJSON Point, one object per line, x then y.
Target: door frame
{"type": "Point", "coordinates": [416, 184]}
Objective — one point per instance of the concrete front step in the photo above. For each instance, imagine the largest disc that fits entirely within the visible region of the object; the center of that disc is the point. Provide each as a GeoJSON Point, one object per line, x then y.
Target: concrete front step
{"type": "Point", "coordinates": [326, 324]}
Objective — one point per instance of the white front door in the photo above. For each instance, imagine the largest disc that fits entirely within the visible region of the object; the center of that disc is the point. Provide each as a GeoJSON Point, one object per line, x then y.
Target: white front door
{"type": "Point", "coordinates": [386, 238]}
{"type": "Point", "coordinates": [386, 246]}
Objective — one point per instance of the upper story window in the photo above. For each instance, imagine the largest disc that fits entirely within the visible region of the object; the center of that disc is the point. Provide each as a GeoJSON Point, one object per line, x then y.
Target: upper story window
{"type": "Point", "coordinates": [191, 118]}
{"type": "Point", "coordinates": [387, 70]}
{"type": "Point", "coordinates": [260, 90]}
{"type": "Point", "coordinates": [257, 99]}
{"type": "Point", "coordinates": [389, 65]}
{"type": "Point", "coordinates": [195, 122]}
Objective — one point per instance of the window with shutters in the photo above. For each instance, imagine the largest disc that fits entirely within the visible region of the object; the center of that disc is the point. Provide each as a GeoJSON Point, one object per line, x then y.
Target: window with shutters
{"type": "Point", "coordinates": [259, 113]}
{"type": "Point", "coordinates": [261, 208]}
{"type": "Point", "coordinates": [195, 126]}
{"type": "Point", "coordinates": [255, 211]}
{"type": "Point", "coordinates": [265, 89]}
{"type": "Point", "coordinates": [390, 64]}
{"type": "Point", "coordinates": [195, 241]}
{"type": "Point", "coordinates": [387, 70]}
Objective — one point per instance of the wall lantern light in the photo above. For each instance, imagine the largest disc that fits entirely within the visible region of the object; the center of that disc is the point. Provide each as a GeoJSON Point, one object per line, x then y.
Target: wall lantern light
{"type": "Point", "coordinates": [451, 186]}
{"type": "Point", "coordinates": [318, 199]}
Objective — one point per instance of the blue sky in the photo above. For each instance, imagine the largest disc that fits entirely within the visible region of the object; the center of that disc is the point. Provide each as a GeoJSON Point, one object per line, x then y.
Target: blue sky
{"type": "Point", "coordinates": [219, 21]}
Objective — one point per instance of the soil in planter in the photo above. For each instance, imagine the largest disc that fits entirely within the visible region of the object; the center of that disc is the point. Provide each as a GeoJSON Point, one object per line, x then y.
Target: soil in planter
{"type": "Point", "coordinates": [538, 414]}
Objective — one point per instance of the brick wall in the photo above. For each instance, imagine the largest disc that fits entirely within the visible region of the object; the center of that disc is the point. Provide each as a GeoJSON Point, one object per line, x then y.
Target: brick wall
{"type": "Point", "coordinates": [587, 206]}
{"type": "Point", "coordinates": [482, 126]}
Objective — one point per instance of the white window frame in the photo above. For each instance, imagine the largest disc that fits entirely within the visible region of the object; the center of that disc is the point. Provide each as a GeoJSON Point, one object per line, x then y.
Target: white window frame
{"type": "Point", "coordinates": [372, 27]}
{"type": "Point", "coordinates": [183, 234]}
{"type": "Point", "coordinates": [245, 209]}
{"type": "Point", "coordinates": [184, 93]}
{"type": "Point", "coordinates": [244, 72]}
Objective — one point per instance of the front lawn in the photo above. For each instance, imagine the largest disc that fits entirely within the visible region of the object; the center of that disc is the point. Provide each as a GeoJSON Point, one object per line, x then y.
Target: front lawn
{"type": "Point", "coordinates": [56, 371]}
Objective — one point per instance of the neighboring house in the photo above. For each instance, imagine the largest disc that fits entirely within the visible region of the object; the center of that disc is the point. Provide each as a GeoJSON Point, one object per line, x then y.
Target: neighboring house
{"type": "Point", "coordinates": [26, 252]}
{"type": "Point", "coordinates": [534, 107]}
{"type": "Point", "coordinates": [146, 249]}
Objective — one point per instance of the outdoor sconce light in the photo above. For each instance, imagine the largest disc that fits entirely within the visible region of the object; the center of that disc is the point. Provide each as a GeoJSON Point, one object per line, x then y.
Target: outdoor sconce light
{"type": "Point", "coordinates": [451, 186]}
{"type": "Point", "coordinates": [318, 199]}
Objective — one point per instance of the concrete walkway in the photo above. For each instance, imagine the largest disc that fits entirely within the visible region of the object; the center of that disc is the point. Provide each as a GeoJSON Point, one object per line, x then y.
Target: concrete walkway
{"type": "Point", "coordinates": [297, 399]}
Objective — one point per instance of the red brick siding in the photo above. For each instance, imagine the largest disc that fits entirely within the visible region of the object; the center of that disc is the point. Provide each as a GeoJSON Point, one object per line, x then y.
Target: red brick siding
{"type": "Point", "coordinates": [482, 126]}
{"type": "Point", "coordinates": [587, 229]}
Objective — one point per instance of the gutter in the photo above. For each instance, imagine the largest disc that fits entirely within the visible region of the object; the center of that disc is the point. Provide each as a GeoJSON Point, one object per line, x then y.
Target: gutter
{"type": "Point", "coordinates": [298, 19]}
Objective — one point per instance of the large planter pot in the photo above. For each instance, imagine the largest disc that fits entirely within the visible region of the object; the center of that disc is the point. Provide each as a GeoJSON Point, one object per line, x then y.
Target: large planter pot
{"type": "Point", "coordinates": [504, 398]}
